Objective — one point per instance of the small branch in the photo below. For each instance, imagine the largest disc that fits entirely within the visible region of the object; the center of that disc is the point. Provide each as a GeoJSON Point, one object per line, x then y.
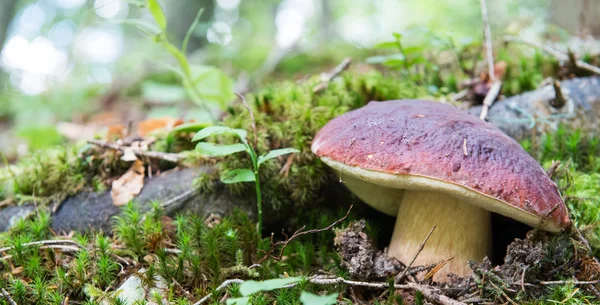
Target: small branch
{"type": "Point", "coordinates": [181, 197]}
{"type": "Point", "coordinates": [251, 117]}
{"type": "Point", "coordinates": [552, 169]}
{"type": "Point", "coordinates": [570, 282]}
{"type": "Point", "coordinates": [488, 40]}
{"type": "Point", "coordinates": [46, 243]}
{"type": "Point", "coordinates": [557, 54]}
{"type": "Point", "coordinates": [401, 276]}
{"type": "Point", "coordinates": [298, 233]}
{"type": "Point", "coordinates": [490, 98]}
{"type": "Point", "coordinates": [559, 99]}
{"type": "Point", "coordinates": [429, 293]}
{"type": "Point", "coordinates": [503, 294]}
{"type": "Point", "coordinates": [8, 297]}
{"type": "Point", "coordinates": [328, 77]}
{"type": "Point", "coordinates": [221, 287]}
{"type": "Point", "coordinates": [175, 158]}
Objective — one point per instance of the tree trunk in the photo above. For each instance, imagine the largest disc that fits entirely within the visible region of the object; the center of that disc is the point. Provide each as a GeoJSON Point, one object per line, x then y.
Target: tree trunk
{"type": "Point", "coordinates": [7, 11]}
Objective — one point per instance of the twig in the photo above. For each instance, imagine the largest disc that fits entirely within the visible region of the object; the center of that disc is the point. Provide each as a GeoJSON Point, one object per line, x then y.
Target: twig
{"type": "Point", "coordinates": [8, 297]}
{"type": "Point", "coordinates": [559, 55]}
{"type": "Point", "coordinates": [46, 243]}
{"type": "Point", "coordinates": [429, 293]}
{"type": "Point", "coordinates": [181, 197]}
{"type": "Point", "coordinates": [559, 99]}
{"type": "Point", "coordinates": [328, 77]}
{"type": "Point", "coordinates": [503, 293]}
{"type": "Point", "coordinates": [298, 233]}
{"type": "Point", "coordinates": [175, 158]}
{"type": "Point", "coordinates": [570, 282]}
{"type": "Point", "coordinates": [221, 287]}
{"type": "Point", "coordinates": [490, 98]}
{"type": "Point", "coordinates": [401, 276]}
{"type": "Point", "coordinates": [251, 118]}
{"type": "Point", "coordinates": [552, 169]}
{"type": "Point", "coordinates": [488, 40]}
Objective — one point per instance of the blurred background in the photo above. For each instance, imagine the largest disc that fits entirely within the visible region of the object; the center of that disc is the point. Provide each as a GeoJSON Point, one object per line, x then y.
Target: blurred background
{"type": "Point", "coordinates": [65, 63]}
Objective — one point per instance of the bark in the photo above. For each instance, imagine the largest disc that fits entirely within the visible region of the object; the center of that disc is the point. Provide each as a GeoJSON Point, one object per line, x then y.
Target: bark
{"type": "Point", "coordinates": [7, 11]}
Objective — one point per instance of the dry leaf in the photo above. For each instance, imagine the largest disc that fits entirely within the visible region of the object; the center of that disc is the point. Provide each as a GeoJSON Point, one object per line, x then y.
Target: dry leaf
{"type": "Point", "coordinates": [115, 132]}
{"type": "Point", "coordinates": [149, 125]}
{"type": "Point", "coordinates": [128, 154]}
{"type": "Point", "coordinates": [129, 185]}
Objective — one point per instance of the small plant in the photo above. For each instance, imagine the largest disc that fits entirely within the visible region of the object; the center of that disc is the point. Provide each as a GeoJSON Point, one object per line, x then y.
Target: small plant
{"type": "Point", "coordinates": [240, 174]}
{"type": "Point", "coordinates": [201, 83]}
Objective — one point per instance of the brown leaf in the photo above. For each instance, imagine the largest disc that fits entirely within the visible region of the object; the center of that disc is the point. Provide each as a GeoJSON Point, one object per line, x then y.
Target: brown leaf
{"type": "Point", "coordinates": [149, 125]}
{"type": "Point", "coordinates": [129, 185]}
{"type": "Point", "coordinates": [115, 132]}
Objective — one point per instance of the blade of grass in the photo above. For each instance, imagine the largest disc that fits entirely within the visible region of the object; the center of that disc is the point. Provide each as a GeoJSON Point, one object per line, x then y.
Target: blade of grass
{"type": "Point", "coordinates": [190, 31]}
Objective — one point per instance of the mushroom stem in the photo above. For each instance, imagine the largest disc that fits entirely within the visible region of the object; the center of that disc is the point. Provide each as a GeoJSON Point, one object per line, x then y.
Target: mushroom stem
{"type": "Point", "coordinates": [463, 232]}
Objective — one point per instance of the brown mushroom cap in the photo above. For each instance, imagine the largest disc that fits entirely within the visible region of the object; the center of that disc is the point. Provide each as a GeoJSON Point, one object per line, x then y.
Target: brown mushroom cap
{"type": "Point", "coordinates": [424, 145]}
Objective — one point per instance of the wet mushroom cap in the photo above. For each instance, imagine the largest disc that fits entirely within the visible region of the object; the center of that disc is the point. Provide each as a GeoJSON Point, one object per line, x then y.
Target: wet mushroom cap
{"type": "Point", "coordinates": [424, 145]}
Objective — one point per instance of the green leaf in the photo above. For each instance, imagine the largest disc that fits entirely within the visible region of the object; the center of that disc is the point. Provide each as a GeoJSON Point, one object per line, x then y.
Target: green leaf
{"type": "Point", "coordinates": [276, 153]}
{"type": "Point", "coordinates": [238, 301]}
{"type": "Point", "coordinates": [146, 27]}
{"type": "Point", "coordinates": [190, 127]}
{"type": "Point", "coordinates": [190, 31]}
{"type": "Point", "coordinates": [250, 287]}
{"type": "Point", "coordinates": [212, 84]}
{"type": "Point", "coordinates": [386, 45]}
{"type": "Point", "coordinates": [308, 298]}
{"type": "Point", "coordinates": [162, 93]}
{"type": "Point", "coordinates": [217, 130]}
{"type": "Point", "coordinates": [179, 56]}
{"type": "Point", "coordinates": [157, 13]}
{"type": "Point", "coordinates": [215, 150]}
{"type": "Point", "coordinates": [237, 175]}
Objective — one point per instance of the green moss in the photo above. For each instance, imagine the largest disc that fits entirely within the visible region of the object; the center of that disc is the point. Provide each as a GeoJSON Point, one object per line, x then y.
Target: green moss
{"type": "Point", "coordinates": [289, 115]}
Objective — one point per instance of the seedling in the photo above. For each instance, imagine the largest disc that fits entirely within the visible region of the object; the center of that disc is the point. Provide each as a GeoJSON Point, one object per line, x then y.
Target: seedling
{"type": "Point", "coordinates": [241, 174]}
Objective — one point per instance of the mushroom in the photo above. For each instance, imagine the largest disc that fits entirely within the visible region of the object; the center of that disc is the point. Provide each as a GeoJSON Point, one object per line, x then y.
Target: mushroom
{"type": "Point", "coordinates": [429, 163]}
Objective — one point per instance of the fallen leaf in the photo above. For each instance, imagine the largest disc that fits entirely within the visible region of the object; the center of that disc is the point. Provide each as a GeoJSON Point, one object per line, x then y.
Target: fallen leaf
{"type": "Point", "coordinates": [129, 185]}
{"type": "Point", "coordinates": [115, 132]}
{"type": "Point", "coordinates": [147, 126]}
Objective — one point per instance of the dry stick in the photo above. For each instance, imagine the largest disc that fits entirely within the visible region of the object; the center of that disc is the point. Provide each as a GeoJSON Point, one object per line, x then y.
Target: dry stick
{"type": "Point", "coordinates": [559, 98]}
{"type": "Point", "coordinates": [428, 292]}
{"type": "Point", "coordinates": [139, 153]}
{"type": "Point", "coordinates": [297, 234]}
{"type": "Point", "coordinates": [46, 243]}
{"type": "Point", "coordinates": [559, 55]}
{"type": "Point", "coordinates": [401, 276]}
{"type": "Point", "coordinates": [8, 297]}
{"type": "Point", "coordinates": [552, 169]}
{"type": "Point", "coordinates": [495, 89]}
{"type": "Point", "coordinates": [490, 98]}
{"type": "Point", "coordinates": [570, 282]}
{"type": "Point", "coordinates": [488, 39]}
{"type": "Point", "coordinates": [181, 197]}
{"type": "Point", "coordinates": [328, 77]}
{"type": "Point", "coordinates": [504, 294]}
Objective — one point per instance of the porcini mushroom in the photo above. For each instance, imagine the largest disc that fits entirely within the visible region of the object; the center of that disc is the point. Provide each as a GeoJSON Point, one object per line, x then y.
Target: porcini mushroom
{"type": "Point", "coordinates": [429, 163]}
